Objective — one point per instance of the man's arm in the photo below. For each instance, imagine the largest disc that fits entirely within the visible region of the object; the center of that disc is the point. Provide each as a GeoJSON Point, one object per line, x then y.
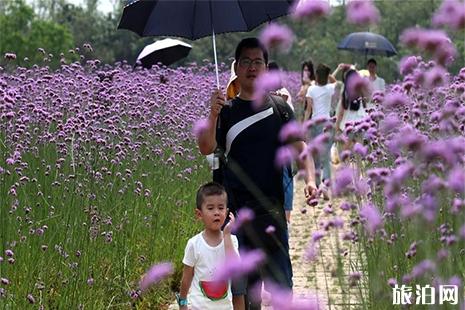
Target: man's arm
{"type": "Point", "coordinates": [307, 165]}
{"type": "Point", "coordinates": [187, 276]}
{"type": "Point", "coordinates": [207, 139]}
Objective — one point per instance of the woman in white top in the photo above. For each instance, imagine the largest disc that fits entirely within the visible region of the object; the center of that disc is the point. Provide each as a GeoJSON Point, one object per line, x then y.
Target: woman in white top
{"type": "Point", "coordinates": [307, 76]}
{"type": "Point", "coordinates": [319, 106]}
{"type": "Point", "coordinates": [352, 105]}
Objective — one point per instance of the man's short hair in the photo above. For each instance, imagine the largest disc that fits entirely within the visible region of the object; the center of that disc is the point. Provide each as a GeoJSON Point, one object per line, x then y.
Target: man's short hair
{"type": "Point", "coordinates": [322, 73]}
{"type": "Point", "coordinates": [273, 66]}
{"type": "Point", "coordinates": [208, 189]}
{"type": "Point", "coordinates": [372, 60]}
{"type": "Point", "coordinates": [250, 43]}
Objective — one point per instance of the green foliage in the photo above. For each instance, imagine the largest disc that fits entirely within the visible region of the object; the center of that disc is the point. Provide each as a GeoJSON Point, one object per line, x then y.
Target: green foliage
{"type": "Point", "coordinates": [64, 25]}
{"type": "Point", "coordinates": [25, 33]}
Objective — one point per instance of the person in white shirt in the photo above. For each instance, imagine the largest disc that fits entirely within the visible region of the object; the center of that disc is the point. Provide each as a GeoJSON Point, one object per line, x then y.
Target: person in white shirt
{"type": "Point", "coordinates": [352, 106]}
{"type": "Point", "coordinates": [319, 106]}
{"type": "Point", "coordinates": [205, 251]}
{"type": "Point", "coordinates": [377, 84]}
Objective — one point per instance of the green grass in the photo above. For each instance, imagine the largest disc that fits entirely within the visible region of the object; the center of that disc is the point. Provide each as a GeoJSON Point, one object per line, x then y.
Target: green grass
{"type": "Point", "coordinates": [98, 227]}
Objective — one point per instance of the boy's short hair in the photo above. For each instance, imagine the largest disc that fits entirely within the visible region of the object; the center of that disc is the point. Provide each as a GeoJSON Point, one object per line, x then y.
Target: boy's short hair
{"type": "Point", "coordinates": [372, 60]}
{"type": "Point", "coordinates": [250, 43]}
{"type": "Point", "coordinates": [322, 73]}
{"type": "Point", "coordinates": [209, 189]}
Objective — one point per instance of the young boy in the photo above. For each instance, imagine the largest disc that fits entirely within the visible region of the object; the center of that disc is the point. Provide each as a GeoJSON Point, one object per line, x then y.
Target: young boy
{"type": "Point", "coordinates": [206, 250]}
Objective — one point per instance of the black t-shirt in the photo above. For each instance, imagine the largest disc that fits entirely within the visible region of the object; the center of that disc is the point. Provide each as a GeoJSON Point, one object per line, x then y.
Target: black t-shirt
{"type": "Point", "coordinates": [251, 172]}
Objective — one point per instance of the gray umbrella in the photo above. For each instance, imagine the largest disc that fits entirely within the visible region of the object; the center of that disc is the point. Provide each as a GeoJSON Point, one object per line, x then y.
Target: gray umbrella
{"type": "Point", "coordinates": [367, 43]}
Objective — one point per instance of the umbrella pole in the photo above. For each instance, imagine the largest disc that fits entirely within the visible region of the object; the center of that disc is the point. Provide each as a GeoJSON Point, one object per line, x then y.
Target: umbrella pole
{"type": "Point", "coordinates": [216, 60]}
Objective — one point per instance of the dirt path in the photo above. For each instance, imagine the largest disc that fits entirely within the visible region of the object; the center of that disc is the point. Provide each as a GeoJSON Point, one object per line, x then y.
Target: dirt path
{"type": "Point", "coordinates": [319, 276]}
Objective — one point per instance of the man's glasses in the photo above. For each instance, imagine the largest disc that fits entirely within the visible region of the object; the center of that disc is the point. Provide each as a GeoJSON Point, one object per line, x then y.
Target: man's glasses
{"type": "Point", "coordinates": [247, 62]}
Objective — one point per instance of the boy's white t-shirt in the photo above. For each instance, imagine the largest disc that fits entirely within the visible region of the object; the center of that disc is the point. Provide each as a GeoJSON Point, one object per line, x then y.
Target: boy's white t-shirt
{"type": "Point", "coordinates": [321, 96]}
{"type": "Point", "coordinates": [205, 258]}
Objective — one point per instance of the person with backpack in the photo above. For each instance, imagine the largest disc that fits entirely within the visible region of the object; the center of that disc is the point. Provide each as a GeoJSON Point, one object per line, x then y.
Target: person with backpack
{"type": "Point", "coordinates": [353, 101]}
{"type": "Point", "coordinates": [248, 138]}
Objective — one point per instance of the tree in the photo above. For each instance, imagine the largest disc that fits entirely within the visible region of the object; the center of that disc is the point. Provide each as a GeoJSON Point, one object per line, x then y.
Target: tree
{"type": "Point", "coordinates": [23, 33]}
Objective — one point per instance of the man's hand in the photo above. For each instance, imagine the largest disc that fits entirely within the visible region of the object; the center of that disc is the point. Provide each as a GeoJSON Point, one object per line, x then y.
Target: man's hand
{"type": "Point", "coordinates": [217, 101]}
{"type": "Point", "coordinates": [227, 229]}
{"type": "Point", "coordinates": [310, 191]}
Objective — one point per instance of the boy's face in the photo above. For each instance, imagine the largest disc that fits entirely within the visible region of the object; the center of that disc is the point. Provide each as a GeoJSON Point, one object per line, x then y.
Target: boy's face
{"type": "Point", "coordinates": [213, 211]}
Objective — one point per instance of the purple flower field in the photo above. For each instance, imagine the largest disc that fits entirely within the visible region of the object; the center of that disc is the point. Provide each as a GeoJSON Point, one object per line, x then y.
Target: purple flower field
{"type": "Point", "coordinates": [99, 168]}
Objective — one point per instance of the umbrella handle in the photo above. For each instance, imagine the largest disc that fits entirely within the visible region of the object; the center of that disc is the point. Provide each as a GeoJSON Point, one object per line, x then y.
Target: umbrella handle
{"type": "Point", "coordinates": [216, 60]}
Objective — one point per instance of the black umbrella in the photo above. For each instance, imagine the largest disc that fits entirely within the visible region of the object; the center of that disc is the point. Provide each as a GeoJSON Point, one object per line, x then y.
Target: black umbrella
{"type": "Point", "coordinates": [194, 19]}
{"type": "Point", "coordinates": [367, 43]}
{"type": "Point", "coordinates": [166, 51]}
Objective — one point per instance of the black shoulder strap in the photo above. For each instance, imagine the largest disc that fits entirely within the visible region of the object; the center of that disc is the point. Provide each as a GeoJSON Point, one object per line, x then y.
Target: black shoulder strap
{"type": "Point", "coordinates": [278, 104]}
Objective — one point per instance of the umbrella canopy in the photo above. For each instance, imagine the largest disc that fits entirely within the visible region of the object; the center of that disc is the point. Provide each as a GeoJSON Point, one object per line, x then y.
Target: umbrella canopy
{"type": "Point", "coordinates": [166, 51]}
{"type": "Point", "coordinates": [367, 43]}
{"type": "Point", "coordinates": [195, 19]}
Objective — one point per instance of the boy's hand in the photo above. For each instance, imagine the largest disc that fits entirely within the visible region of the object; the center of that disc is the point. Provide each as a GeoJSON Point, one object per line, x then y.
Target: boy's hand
{"type": "Point", "coordinates": [227, 229]}
{"type": "Point", "coordinates": [183, 308]}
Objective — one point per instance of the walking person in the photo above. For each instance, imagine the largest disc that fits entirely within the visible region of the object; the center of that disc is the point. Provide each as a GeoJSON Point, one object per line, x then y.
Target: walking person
{"type": "Point", "coordinates": [249, 138]}
{"type": "Point", "coordinates": [307, 76]}
{"type": "Point", "coordinates": [205, 250]}
{"type": "Point", "coordinates": [352, 106]}
{"type": "Point", "coordinates": [319, 105]}
{"type": "Point", "coordinates": [376, 82]}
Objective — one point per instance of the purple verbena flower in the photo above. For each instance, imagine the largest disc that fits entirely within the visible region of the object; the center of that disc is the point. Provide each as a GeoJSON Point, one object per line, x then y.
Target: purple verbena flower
{"type": "Point", "coordinates": [407, 64]}
{"type": "Point", "coordinates": [451, 13]}
{"type": "Point", "coordinates": [234, 266]}
{"type": "Point", "coordinates": [277, 36]}
{"type": "Point", "coordinates": [155, 274]}
{"type": "Point", "coordinates": [244, 215]}
{"type": "Point", "coordinates": [310, 10]}
{"type": "Point", "coordinates": [285, 155]}
{"type": "Point", "coordinates": [373, 218]}
{"type": "Point", "coordinates": [200, 127]}
{"type": "Point", "coordinates": [291, 131]}
{"type": "Point", "coordinates": [264, 84]}
{"type": "Point", "coordinates": [362, 12]}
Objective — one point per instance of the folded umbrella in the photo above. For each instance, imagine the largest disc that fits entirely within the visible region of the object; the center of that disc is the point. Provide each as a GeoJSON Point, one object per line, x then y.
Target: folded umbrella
{"type": "Point", "coordinates": [166, 51]}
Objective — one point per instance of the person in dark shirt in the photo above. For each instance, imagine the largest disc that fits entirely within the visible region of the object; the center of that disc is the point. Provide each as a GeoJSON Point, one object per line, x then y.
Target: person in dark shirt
{"type": "Point", "coordinates": [249, 139]}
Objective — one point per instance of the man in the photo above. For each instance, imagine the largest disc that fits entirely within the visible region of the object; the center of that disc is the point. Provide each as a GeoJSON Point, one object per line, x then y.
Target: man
{"type": "Point", "coordinates": [376, 83]}
{"type": "Point", "coordinates": [249, 139]}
